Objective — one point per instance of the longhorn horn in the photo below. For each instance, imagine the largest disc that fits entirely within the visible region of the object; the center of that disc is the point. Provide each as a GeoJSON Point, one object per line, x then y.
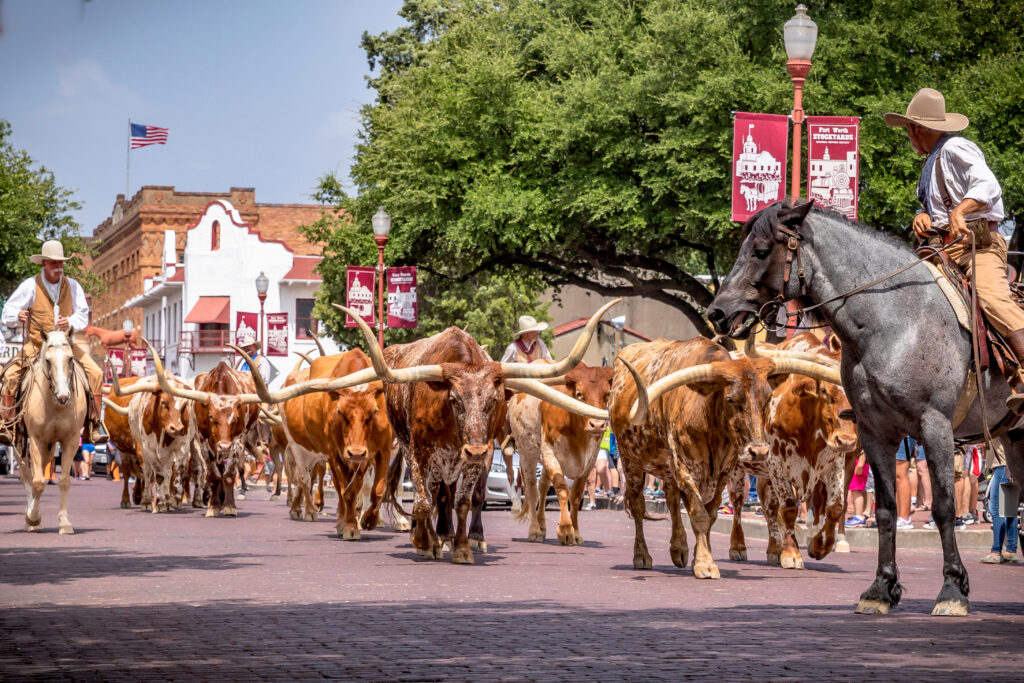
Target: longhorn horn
{"type": "Point", "coordinates": [419, 373]}
{"type": "Point", "coordinates": [116, 408]}
{"type": "Point", "coordinates": [638, 415]}
{"type": "Point", "coordinates": [541, 371]}
{"type": "Point", "coordinates": [751, 350]}
{"type": "Point", "coordinates": [264, 395]}
{"type": "Point", "coordinates": [319, 346]}
{"type": "Point", "coordinates": [308, 359]}
{"type": "Point", "coordinates": [191, 394]}
{"type": "Point", "coordinates": [136, 388]}
{"type": "Point", "coordinates": [556, 398]}
{"type": "Point", "coordinates": [798, 366]}
{"type": "Point", "coordinates": [272, 418]}
{"type": "Point", "coordinates": [674, 380]}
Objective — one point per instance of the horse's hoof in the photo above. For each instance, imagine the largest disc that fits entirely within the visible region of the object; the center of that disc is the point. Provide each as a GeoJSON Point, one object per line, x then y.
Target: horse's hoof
{"type": "Point", "coordinates": [33, 527]}
{"type": "Point", "coordinates": [349, 534]}
{"type": "Point", "coordinates": [276, 496]}
{"type": "Point", "coordinates": [229, 512]}
{"type": "Point", "coordinates": [841, 546]}
{"type": "Point", "coordinates": [706, 571]}
{"type": "Point", "coordinates": [462, 556]}
{"type": "Point", "coordinates": [66, 529]}
{"type": "Point", "coordinates": [737, 555]}
{"type": "Point", "coordinates": [402, 525]}
{"type": "Point", "coordinates": [475, 544]}
{"type": "Point", "coordinates": [871, 607]}
{"type": "Point", "coordinates": [951, 608]}
{"type": "Point", "coordinates": [240, 496]}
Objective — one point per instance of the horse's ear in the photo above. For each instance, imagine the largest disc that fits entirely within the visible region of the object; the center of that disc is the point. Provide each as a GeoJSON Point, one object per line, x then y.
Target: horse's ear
{"type": "Point", "coordinates": [793, 216]}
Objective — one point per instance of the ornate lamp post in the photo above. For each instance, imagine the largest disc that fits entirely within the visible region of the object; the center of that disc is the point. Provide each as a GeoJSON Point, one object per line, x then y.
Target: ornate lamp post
{"type": "Point", "coordinates": [799, 35]}
{"type": "Point", "coordinates": [381, 222]}
{"type": "Point", "coordinates": [262, 285]}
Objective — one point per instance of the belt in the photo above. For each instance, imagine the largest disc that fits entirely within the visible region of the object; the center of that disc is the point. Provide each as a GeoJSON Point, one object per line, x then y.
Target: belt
{"type": "Point", "coordinates": [981, 228]}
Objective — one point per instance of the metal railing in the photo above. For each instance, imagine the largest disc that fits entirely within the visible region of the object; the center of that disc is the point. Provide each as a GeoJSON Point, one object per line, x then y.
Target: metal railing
{"type": "Point", "coordinates": [205, 341]}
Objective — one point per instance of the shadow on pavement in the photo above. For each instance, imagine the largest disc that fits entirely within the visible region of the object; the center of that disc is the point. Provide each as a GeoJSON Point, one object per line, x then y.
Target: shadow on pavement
{"type": "Point", "coordinates": [27, 567]}
{"type": "Point", "coordinates": [496, 640]}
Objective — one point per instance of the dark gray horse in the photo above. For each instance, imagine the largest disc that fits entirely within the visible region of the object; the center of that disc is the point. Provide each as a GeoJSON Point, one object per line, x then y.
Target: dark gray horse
{"type": "Point", "coordinates": [905, 359]}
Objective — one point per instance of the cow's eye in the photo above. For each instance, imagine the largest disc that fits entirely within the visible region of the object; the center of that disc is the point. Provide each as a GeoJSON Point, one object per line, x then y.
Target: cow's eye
{"type": "Point", "coordinates": [762, 253]}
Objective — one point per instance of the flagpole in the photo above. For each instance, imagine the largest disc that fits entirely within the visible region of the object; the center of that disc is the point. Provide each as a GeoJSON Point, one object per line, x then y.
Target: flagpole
{"type": "Point", "coordinates": [128, 159]}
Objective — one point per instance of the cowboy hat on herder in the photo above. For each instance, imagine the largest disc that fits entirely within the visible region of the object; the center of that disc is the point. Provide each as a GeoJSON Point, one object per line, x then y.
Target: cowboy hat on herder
{"type": "Point", "coordinates": [247, 339]}
{"type": "Point", "coordinates": [928, 110]}
{"type": "Point", "coordinates": [527, 323]}
{"type": "Point", "coordinates": [52, 250]}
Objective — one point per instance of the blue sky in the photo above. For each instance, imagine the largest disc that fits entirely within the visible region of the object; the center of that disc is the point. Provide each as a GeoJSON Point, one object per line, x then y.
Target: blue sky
{"type": "Point", "coordinates": [256, 93]}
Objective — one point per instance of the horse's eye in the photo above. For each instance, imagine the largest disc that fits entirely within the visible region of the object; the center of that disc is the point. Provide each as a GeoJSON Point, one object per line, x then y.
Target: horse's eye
{"type": "Point", "coordinates": [762, 253]}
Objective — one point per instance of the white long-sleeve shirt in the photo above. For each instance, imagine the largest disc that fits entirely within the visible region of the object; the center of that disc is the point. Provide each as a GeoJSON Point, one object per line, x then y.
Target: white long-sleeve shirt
{"type": "Point", "coordinates": [25, 295]}
{"type": "Point", "coordinates": [967, 177]}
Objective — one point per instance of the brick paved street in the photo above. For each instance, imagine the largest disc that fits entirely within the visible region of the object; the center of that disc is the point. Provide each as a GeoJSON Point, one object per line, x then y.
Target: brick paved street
{"type": "Point", "coordinates": [136, 596]}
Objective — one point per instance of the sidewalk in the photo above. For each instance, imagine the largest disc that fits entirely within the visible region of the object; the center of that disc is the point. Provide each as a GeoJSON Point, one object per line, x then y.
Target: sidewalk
{"type": "Point", "coordinates": [974, 537]}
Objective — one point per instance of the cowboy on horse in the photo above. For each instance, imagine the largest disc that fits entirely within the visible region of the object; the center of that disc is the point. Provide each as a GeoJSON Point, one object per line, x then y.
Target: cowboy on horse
{"type": "Point", "coordinates": [43, 303]}
{"type": "Point", "coordinates": [960, 195]}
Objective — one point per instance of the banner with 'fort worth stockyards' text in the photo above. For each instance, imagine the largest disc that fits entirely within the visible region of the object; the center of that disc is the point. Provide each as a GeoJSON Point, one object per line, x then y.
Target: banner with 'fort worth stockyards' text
{"type": "Point", "coordinates": [758, 162]}
{"type": "Point", "coordinates": [833, 163]}
{"type": "Point", "coordinates": [403, 308]}
{"type": "Point", "coordinates": [277, 334]}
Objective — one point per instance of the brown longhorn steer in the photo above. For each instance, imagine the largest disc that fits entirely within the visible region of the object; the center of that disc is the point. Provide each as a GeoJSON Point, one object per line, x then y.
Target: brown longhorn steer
{"type": "Point", "coordinates": [116, 419]}
{"type": "Point", "coordinates": [712, 412]}
{"type": "Point", "coordinates": [565, 443]}
{"type": "Point", "coordinates": [811, 449]}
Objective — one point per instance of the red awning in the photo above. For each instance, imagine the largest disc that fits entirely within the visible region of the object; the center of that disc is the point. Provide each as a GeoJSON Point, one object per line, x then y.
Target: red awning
{"type": "Point", "coordinates": [211, 309]}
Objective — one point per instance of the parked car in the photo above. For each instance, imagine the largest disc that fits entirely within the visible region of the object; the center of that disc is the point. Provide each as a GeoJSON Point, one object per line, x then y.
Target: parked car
{"type": "Point", "coordinates": [104, 453]}
{"type": "Point", "coordinates": [499, 490]}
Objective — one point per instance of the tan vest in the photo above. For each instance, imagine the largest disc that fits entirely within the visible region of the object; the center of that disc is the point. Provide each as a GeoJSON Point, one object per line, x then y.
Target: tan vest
{"type": "Point", "coordinates": [535, 353]}
{"type": "Point", "coordinates": [42, 310]}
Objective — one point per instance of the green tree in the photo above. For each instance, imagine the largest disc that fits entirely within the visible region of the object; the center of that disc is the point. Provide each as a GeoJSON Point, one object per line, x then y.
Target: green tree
{"type": "Point", "coordinates": [34, 208]}
{"type": "Point", "coordinates": [589, 142]}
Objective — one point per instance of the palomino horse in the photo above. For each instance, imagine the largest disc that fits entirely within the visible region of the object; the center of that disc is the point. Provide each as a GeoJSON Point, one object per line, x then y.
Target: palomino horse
{"type": "Point", "coordinates": [905, 360]}
{"type": "Point", "coordinates": [54, 391]}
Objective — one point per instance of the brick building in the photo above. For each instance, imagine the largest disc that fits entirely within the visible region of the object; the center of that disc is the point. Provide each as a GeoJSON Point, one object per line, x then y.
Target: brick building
{"type": "Point", "coordinates": [130, 243]}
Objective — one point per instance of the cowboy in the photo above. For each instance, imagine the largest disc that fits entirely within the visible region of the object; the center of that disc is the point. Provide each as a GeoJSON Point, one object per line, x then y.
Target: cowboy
{"type": "Point", "coordinates": [527, 345]}
{"type": "Point", "coordinates": [960, 195]}
{"type": "Point", "coordinates": [251, 346]}
{"type": "Point", "coordinates": [49, 301]}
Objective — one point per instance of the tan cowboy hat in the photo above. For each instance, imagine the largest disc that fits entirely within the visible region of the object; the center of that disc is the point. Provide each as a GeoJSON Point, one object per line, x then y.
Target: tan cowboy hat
{"type": "Point", "coordinates": [527, 323]}
{"type": "Point", "coordinates": [52, 250]}
{"type": "Point", "coordinates": [247, 340]}
{"type": "Point", "coordinates": [928, 110]}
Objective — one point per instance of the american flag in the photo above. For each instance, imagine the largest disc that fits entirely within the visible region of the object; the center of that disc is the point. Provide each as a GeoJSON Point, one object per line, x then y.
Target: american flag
{"type": "Point", "coordinates": [147, 135]}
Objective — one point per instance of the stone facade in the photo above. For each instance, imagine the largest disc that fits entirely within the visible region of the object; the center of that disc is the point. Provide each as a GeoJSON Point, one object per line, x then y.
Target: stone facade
{"type": "Point", "coordinates": [130, 243]}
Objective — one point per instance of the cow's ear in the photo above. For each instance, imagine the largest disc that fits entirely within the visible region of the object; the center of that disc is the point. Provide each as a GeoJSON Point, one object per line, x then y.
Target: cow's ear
{"type": "Point", "coordinates": [705, 388]}
{"type": "Point", "coordinates": [438, 386]}
{"type": "Point", "coordinates": [806, 387]}
{"type": "Point", "coordinates": [793, 216]}
{"type": "Point", "coordinates": [570, 384]}
{"type": "Point", "coordinates": [509, 394]}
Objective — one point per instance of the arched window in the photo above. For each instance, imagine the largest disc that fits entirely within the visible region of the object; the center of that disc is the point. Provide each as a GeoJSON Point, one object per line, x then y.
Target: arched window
{"type": "Point", "coordinates": [215, 236]}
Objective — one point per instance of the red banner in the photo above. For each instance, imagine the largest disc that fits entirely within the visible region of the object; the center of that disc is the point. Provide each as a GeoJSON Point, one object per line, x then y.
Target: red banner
{"type": "Point", "coordinates": [277, 334]}
{"type": "Point", "coordinates": [833, 162]}
{"type": "Point", "coordinates": [246, 326]}
{"type": "Point", "coordinates": [403, 309]}
{"type": "Point", "coordinates": [137, 362]}
{"type": "Point", "coordinates": [359, 296]}
{"type": "Point", "coordinates": [117, 358]}
{"type": "Point", "coordinates": [759, 158]}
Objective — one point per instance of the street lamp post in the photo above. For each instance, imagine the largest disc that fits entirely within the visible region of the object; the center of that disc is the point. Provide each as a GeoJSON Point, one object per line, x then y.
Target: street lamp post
{"type": "Point", "coordinates": [799, 35]}
{"type": "Point", "coordinates": [381, 222]}
{"type": "Point", "coordinates": [262, 285]}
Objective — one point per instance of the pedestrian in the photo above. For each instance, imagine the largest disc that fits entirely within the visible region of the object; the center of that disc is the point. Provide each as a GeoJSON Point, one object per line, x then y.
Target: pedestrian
{"type": "Point", "coordinates": [1004, 529]}
{"type": "Point", "coordinates": [251, 346]}
{"type": "Point", "coordinates": [527, 346]}
{"type": "Point", "coordinates": [907, 452]}
{"type": "Point", "coordinates": [858, 495]}
{"type": "Point", "coordinates": [924, 484]}
{"type": "Point", "coordinates": [606, 466]}
{"type": "Point", "coordinates": [88, 456]}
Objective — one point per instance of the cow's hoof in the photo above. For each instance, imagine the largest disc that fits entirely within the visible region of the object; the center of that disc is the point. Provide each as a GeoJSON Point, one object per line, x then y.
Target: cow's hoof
{"type": "Point", "coordinates": [841, 546]}
{"type": "Point", "coordinates": [871, 607]}
{"type": "Point", "coordinates": [446, 547]}
{"type": "Point", "coordinates": [350, 534]}
{"type": "Point", "coordinates": [737, 555]}
{"type": "Point", "coordinates": [276, 496]}
{"type": "Point", "coordinates": [295, 514]}
{"type": "Point", "coordinates": [462, 556]}
{"type": "Point", "coordinates": [212, 512]}
{"type": "Point", "coordinates": [578, 538]}
{"type": "Point", "coordinates": [478, 544]}
{"type": "Point", "coordinates": [402, 525]}
{"type": "Point", "coordinates": [229, 512]}
{"type": "Point", "coordinates": [535, 537]}
{"type": "Point", "coordinates": [774, 559]}
{"type": "Point", "coordinates": [125, 505]}
{"type": "Point", "coordinates": [566, 535]}
{"type": "Point", "coordinates": [196, 503]}
{"type": "Point", "coordinates": [146, 507]}
{"type": "Point", "coordinates": [65, 529]}
{"type": "Point", "coordinates": [312, 516]}
{"type": "Point", "coordinates": [642, 561]}
{"type": "Point", "coordinates": [679, 557]}
{"type": "Point", "coordinates": [369, 522]}
{"type": "Point", "coordinates": [434, 552]}
{"type": "Point", "coordinates": [951, 608]}
{"type": "Point", "coordinates": [239, 496]}
{"type": "Point", "coordinates": [792, 562]}
{"type": "Point", "coordinates": [706, 570]}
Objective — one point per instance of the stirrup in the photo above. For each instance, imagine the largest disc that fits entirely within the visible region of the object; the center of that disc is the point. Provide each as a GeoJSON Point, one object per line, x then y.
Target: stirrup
{"type": "Point", "coordinates": [98, 433]}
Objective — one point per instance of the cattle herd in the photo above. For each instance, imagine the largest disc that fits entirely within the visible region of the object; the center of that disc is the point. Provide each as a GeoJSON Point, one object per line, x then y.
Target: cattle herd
{"type": "Point", "coordinates": [692, 413]}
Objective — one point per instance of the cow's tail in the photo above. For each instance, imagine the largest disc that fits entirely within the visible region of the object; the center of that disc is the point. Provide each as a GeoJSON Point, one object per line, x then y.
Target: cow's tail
{"type": "Point", "coordinates": [393, 483]}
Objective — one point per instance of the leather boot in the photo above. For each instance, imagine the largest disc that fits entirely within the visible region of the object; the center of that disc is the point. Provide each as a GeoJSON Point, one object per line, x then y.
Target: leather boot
{"type": "Point", "coordinates": [95, 430]}
{"type": "Point", "coordinates": [1015, 403]}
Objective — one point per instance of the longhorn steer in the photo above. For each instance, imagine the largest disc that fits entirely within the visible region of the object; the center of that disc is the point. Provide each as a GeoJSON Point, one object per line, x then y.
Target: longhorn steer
{"type": "Point", "coordinates": [810, 452]}
{"type": "Point", "coordinates": [693, 436]}
{"type": "Point", "coordinates": [120, 432]}
{"type": "Point", "coordinates": [565, 443]}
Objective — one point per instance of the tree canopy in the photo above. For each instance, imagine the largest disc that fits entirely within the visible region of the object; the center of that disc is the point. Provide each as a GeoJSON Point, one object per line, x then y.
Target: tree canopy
{"type": "Point", "coordinates": [33, 208]}
{"type": "Point", "coordinates": [589, 142]}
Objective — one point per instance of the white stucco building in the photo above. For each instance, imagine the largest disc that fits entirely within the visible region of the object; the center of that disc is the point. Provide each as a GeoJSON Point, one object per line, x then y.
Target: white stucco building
{"type": "Point", "coordinates": [189, 311]}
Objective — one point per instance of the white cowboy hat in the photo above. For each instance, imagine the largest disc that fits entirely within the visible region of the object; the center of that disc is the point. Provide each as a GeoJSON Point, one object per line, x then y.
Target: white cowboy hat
{"type": "Point", "coordinates": [527, 323]}
{"type": "Point", "coordinates": [52, 250]}
{"type": "Point", "coordinates": [247, 340]}
{"type": "Point", "coordinates": [928, 110]}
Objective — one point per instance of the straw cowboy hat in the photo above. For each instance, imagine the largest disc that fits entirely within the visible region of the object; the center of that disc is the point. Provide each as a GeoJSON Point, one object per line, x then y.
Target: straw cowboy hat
{"type": "Point", "coordinates": [247, 339]}
{"type": "Point", "coordinates": [527, 323]}
{"type": "Point", "coordinates": [928, 110]}
{"type": "Point", "coordinates": [52, 250]}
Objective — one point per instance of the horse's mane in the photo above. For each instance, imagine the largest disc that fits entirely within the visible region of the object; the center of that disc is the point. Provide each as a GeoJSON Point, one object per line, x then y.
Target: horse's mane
{"type": "Point", "coordinates": [762, 224]}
